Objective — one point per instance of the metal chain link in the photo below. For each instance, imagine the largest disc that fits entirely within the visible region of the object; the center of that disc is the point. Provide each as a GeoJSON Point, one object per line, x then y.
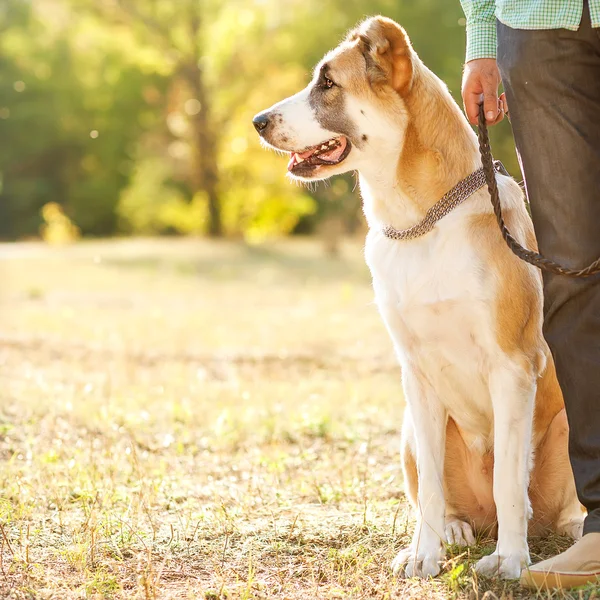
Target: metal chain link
{"type": "Point", "coordinates": [458, 194]}
{"type": "Point", "coordinates": [533, 258]}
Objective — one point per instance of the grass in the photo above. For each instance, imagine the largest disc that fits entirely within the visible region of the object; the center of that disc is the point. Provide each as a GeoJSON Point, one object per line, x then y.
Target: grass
{"type": "Point", "coordinates": [181, 419]}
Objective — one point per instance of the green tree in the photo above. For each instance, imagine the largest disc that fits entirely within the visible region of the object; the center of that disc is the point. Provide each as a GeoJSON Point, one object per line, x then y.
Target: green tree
{"type": "Point", "coordinates": [71, 108]}
{"type": "Point", "coordinates": [135, 115]}
{"type": "Point", "coordinates": [177, 30]}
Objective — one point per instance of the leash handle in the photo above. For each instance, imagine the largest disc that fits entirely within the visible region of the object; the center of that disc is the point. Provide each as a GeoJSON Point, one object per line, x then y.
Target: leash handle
{"type": "Point", "coordinates": [533, 258]}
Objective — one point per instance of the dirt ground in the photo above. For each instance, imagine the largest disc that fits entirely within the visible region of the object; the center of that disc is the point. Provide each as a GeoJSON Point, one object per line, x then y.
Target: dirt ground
{"type": "Point", "coordinates": [184, 419]}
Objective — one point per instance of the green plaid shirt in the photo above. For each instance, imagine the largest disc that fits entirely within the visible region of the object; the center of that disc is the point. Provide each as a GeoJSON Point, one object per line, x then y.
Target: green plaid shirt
{"type": "Point", "coordinates": [519, 14]}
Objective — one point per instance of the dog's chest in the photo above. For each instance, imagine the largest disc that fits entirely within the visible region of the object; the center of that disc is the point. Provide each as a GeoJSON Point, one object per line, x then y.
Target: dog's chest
{"type": "Point", "coordinates": [436, 306]}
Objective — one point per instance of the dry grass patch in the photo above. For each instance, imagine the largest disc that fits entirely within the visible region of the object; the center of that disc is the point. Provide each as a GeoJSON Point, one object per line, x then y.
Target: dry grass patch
{"type": "Point", "coordinates": [181, 419]}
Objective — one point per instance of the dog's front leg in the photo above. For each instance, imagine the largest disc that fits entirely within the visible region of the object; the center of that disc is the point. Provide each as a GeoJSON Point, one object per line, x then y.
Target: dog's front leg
{"type": "Point", "coordinates": [424, 556]}
{"type": "Point", "coordinates": [513, 395]}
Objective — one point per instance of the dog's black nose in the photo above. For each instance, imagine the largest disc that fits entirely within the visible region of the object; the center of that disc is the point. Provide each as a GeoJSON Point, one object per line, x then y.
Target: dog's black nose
{"type": "Point", "coordinates": [260, 122]}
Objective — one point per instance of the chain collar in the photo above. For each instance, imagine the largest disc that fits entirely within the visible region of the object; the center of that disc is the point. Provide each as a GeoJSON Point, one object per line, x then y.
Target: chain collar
{"type": "Point", "coordinates": [458, 194]}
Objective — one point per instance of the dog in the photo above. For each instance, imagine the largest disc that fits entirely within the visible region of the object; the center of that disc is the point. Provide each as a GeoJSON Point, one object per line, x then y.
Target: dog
{"type": "Point", "coordinates": [485, 435]}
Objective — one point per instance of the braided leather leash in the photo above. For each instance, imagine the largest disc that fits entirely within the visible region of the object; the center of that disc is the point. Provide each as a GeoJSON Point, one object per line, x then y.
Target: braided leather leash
{"type": "Point", "coordinates": [533, 258]}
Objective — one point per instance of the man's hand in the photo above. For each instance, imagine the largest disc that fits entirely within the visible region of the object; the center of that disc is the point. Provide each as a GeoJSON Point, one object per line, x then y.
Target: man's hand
{"type": "Point", "coordinates": [481, 79]}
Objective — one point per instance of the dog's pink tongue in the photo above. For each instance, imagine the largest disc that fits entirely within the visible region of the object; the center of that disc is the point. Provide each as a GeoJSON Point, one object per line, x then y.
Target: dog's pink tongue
{"type": "Point", "coordinates": [307, 153]}
{"type": "Point", "coordinates": [335, 154]}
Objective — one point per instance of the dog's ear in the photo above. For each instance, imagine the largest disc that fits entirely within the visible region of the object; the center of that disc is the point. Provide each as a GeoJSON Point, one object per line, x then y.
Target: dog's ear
{"type": "Point", "coordinates": [387, 51]}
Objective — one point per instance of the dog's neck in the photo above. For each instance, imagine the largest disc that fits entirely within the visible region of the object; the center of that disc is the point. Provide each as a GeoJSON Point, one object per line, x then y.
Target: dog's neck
{"type": "Point", "coordinates": [437, 150]}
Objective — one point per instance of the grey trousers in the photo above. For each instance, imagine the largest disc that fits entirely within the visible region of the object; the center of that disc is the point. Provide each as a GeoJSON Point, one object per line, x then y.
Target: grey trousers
{"type": "Point", "coordinates": [552, 84]}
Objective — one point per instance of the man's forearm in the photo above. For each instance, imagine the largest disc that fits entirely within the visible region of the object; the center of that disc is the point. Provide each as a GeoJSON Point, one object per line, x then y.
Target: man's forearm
{"type": "Point", "coordinates": [481, 28]}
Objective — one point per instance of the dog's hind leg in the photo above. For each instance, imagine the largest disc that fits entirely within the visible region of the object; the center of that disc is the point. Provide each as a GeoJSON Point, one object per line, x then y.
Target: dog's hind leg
{"type": "Point", "coordinates": [552, 489]}
{"type": "Point", "coordinates": [460, 499]}
{"type": "Point", "coordinates": [468, 484]}
{"type": "Point", "coordinates": [570, 520]}
{"type": "Point", "coordinates": [459, 532]}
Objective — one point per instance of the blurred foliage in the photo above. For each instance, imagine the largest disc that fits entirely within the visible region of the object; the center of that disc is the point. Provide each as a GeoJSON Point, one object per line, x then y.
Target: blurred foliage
{"type": "Point", "coordinates": [57, 229]}
{"type": "Point", "coordinates": [134, 116]}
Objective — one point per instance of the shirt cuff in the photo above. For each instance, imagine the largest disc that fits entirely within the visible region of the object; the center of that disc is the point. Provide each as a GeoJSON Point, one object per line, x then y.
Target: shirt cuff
{"type": "Point", "coordinates": [481, 40]}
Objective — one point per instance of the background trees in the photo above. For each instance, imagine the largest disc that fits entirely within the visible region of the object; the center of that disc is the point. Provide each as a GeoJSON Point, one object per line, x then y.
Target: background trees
{"type": "Point", "coordinates": [134, 115]}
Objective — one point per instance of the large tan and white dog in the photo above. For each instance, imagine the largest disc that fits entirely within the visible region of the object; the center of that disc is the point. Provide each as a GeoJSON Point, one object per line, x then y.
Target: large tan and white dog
{"type": "Point", "coordinates": [485, 432]}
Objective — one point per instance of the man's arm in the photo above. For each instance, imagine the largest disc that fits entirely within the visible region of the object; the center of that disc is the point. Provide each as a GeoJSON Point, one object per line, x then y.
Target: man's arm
{"type": "Point", "coordinates": [481, 28]}
{"type": "Point", "coordinates": [481, 77]}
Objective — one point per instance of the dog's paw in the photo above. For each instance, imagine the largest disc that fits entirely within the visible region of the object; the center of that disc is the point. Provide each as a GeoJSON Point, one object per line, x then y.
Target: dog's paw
{"type": "Point", "coordinates": [459, 532]}
{"type": "Point", "coordinates": [572, 528]}
{"type": "Point", "coordinates": [505, 566]}
{"type": "Point", "coordinates": [409, 563]}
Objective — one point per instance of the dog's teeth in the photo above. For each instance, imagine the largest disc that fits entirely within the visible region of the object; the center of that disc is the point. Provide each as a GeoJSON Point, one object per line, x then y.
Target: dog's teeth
{"type": "Point", "coordinates": [299, 159]}
{"type": "Point", "coordinates": [324, 147]}
{"type": "Point", "coordinates": [331, 142]}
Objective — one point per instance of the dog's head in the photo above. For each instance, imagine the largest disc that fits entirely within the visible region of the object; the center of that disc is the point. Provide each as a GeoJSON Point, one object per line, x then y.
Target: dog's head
{"type": "Point", "coordinates": [352, 110]}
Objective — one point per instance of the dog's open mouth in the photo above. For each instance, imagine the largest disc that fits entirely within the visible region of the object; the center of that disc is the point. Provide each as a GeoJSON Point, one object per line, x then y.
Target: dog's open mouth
{"type": "Point", "coordinates": [331, 152]}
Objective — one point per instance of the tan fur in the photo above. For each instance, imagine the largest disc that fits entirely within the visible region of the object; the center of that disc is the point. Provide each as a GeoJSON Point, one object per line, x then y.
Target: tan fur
{"type": "Point", "coordinates": [430, 164]}
{"type": "Point", "coordinates": [519, 318]}
{"type": "Point", "coordinates": [431, 161]}
{"type": "Point", "coordinates": [388, 46]}
{"type": "Point", "coordinates": [468, 481]}
{"type": "Point", "coordinates": [519, 300]}
{"type": "Point", "coordinates": [468, 477]}
{"type": "Point", "coordinates": [488, 382]}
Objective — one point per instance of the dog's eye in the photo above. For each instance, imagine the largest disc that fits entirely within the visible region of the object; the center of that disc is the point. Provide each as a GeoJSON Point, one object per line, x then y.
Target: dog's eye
{"type": "Point", "coordinates": [327, 83]}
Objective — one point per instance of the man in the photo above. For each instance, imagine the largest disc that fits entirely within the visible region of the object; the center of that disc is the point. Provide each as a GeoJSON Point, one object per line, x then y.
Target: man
{"type": "Point", "coordinates": [547, 54]}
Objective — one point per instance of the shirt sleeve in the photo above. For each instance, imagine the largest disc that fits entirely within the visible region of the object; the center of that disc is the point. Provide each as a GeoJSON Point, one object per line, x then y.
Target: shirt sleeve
{"type": "Point", "coordinates": [481, 28]}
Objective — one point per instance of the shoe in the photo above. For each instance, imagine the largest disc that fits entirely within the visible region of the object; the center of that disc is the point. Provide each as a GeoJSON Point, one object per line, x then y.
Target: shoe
{"type": "Point", "coordinates": [578, 565]}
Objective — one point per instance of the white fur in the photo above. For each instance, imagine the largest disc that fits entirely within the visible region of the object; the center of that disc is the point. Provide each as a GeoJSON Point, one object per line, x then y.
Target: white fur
{"type": "Point", "coordinates": [436, 304]}
{"type": "Point", "coordinates": [436, 296]}
{"type": "Point", "coordinates": [300, 126]}
{"type": "Point", "coordinates": [459, 532]}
